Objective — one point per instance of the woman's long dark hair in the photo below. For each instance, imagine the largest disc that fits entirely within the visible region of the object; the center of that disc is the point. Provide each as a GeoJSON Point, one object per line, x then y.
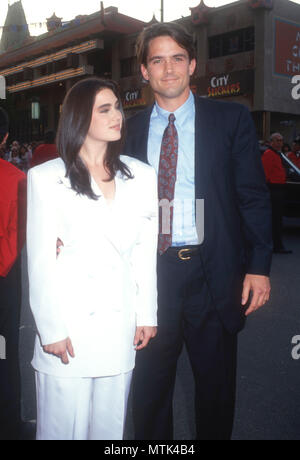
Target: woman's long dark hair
{"type": "Point", "coordinates": [73, 128]}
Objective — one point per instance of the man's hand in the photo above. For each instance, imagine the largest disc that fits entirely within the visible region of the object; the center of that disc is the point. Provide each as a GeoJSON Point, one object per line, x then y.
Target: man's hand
{"type": "Point", "coordinates": [61, 350]}
{"type": "Point", "coordinates": [59, 243]}
{"type": "Point", "coordinates": [142, 336]}
{"type": "Point", "coordinates": [260, 287]}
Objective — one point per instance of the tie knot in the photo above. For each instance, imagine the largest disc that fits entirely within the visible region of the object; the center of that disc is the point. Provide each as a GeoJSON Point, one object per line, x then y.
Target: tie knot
{"type": "Point", "coordinates": [172, 118]}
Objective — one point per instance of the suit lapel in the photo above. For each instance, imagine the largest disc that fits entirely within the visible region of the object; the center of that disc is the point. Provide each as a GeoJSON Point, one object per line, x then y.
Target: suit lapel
{"type": "Point", "coordinates": [141, 134]}
{"type": "Point", "coordinates": [97, 209]}
{"type": "Point", "coordinates": [204, 147]}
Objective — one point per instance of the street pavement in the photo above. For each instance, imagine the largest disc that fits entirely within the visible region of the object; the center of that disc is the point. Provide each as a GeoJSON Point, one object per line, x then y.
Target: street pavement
{"type": "Point", "coordinates": [268, 379]}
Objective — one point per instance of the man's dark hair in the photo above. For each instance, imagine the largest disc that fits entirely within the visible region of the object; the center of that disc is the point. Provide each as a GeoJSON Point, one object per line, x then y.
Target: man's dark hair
{"type": "Point", "coordinates": [49, 137]}
{"type": "Point", "coordinates": [165, 29]}
{"type": "Point", "coordinates": [4, 124]}
{"type": "Point", "coordinates": [74, 123]}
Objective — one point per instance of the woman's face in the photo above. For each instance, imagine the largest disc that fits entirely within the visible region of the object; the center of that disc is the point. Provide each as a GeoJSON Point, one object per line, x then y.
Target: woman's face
{"type": "Point", "coordinates": [106, 122]}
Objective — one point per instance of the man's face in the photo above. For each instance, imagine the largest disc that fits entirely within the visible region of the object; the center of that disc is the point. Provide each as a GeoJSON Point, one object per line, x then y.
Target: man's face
{"type": "Point", "coordinates": [168, 69]}
{"type": "Point", "coordinates": [277, 142]}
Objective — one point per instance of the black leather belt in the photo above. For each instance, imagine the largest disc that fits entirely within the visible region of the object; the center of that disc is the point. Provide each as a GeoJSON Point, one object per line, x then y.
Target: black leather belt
{"type": "Point", "coordinates": [183, 252]}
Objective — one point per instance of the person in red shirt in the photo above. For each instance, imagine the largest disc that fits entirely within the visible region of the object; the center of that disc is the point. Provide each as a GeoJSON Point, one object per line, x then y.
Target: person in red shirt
{"type": "Point", "coordinates": [46, 151]}
{"type": "Point", "coordinates": [12, 237]}
{"type": "Point", "coordinates": [276, 178]}
{"type": "Point", "coordinates": [294, 154]}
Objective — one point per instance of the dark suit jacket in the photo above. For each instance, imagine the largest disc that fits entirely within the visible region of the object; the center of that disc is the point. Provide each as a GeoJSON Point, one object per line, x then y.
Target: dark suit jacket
{"type": "Point", "coordinates": [230, 178]}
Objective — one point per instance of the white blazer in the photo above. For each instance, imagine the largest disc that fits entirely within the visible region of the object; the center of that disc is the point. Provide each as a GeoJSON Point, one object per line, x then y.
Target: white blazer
{"type": "Point", "coordinates": [103, 284]}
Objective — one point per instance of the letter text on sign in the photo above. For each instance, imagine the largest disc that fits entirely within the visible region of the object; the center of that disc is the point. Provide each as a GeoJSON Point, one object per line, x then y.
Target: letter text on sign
{"type": "Point", "coordinates": [2, 87]}
{"type": "Point", "coordinates": [2, 347]}
{"type": "Point", "coordinates": [296, 89]}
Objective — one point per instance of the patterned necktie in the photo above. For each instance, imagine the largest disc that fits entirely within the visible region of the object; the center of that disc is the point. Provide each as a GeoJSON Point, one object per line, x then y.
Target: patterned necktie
{"type": "Point", "coordinates": [166, 184]}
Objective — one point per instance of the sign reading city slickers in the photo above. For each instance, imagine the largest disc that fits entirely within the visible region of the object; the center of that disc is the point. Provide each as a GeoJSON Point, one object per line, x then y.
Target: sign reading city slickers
{"type": "Point", "coordinates": [287, 48]}
{"type": "Point", "coordinates": [228, 84]}
{"type": "Point", "coordinates": [221, 86]}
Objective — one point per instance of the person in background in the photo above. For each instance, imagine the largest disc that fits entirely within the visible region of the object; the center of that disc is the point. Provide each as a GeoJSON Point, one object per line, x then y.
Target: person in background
{"type": "Point", "coordinates": [262, 146]}
{"type": "Point", "coordinates": [15, 157]}
{"type": "Point", "coordinates": [275, 173]}
{"type": "Point", "coordinates": [46, 151]}
{"type": "Point", "coordinates": [24, 158]}
{"type": "Point", "coordinates": [294, 153]}
{"type": "Point", "coordinates": [29, 152]}
{"type": "Point", "coordinates": [12, 237]}
{"type": "Point", "coordinates": [286, 148]}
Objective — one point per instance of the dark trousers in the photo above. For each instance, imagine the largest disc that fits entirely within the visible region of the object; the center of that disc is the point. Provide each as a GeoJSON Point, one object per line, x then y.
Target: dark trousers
{"type": "Point", "coordinates": [185, 315]}
{"type": "Point", "coordinates": [10, 302]}
{"type": "Point", "coordinates": [277, 192]}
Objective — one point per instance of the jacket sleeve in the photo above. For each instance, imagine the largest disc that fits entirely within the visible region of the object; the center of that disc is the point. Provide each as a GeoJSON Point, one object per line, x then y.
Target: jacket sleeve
{"type": "Point", "coordinates": [252, 196]}
{"type": "Point", "coordinates": [12, 222]}
{"type": "Point", "coordinates": [145, 255]}
{"type": "Point", "coordinates": [42, 233]}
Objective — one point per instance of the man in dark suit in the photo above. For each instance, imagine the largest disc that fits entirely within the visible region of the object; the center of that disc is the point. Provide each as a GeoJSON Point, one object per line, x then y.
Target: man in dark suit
{"type": "Point", "coordinates": [212, 269]}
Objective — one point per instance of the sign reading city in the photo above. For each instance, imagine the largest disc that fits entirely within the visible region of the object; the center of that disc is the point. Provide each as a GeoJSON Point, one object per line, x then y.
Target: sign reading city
{"type": "Point", "coordinates": [287, 48]}
{"type": "Point", "coordinates": [133, 98]}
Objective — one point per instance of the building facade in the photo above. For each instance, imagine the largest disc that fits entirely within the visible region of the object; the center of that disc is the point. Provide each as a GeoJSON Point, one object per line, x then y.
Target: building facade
{"type": "Point", "coordinates": [247, 52]}
{"type": "Point", "coordinates": [39, 72]}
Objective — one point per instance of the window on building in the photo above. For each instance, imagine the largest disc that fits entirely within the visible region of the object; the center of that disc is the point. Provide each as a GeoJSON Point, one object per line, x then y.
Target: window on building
{"type": "Point", "coordinates": [235, 42]}
{"type": "Point", "coordinates": [129, 67]}
{"type": "Point", "coordinates": [61, 65]}
{"type": "Point", "coordinates": [15, 79]}
{"type": "Point", "coordinates": [43, 70]}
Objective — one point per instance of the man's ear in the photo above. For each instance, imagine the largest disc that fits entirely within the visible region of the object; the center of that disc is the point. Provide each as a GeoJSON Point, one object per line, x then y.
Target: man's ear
{"type": "Point", "coordinates": [192, 66]}
{"type": "Point", "coordinates": [144, 72]}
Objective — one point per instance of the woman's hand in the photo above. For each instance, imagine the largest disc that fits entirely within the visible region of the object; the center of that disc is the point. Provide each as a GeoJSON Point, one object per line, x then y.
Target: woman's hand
{"type": "Point", "coordinates": [61, 350]}
{"type": "Point", "coordinates": [142, 336]}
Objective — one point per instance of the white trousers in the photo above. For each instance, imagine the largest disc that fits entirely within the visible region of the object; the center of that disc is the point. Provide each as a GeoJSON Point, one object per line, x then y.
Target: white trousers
{"type": "Point", "coordinates": [81, 408]}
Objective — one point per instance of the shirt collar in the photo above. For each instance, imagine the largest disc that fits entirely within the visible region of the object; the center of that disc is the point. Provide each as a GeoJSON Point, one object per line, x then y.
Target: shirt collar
{"type": "Point", "coordinates": [181, 114]}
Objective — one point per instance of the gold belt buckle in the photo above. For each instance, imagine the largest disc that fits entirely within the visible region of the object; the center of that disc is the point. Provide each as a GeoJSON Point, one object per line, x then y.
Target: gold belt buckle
{"type": "Point", "coordinates": [180, 254]}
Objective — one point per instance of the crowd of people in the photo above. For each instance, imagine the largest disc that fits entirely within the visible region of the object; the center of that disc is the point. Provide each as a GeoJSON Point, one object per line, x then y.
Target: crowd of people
{"type": "Point", "coordinates": [290, 151]}
{"type": "Point", "coordinates": [29, 154]}
{"type": "Point", "coordinates": [277, 172]}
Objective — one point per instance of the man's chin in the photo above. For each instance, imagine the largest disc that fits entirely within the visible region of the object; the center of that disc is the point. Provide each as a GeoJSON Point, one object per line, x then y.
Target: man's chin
{"type": "Point", "coordinates": [171, 93]}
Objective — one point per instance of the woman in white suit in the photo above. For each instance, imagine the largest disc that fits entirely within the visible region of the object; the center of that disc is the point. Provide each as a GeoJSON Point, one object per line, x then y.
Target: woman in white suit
{"type": "Point", "coordinates": [95, 303]}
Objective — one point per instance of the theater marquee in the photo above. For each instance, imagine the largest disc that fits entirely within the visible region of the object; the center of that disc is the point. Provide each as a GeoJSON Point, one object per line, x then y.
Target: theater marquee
{"type": "Point", "coordinates": [287, 48]}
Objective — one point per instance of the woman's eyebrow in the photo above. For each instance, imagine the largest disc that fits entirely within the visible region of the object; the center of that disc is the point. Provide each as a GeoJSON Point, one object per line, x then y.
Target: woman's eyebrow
{"type": "Point", "coordinates": [108, 105]}
{"type": "Point", "coordinates": [104, 106]}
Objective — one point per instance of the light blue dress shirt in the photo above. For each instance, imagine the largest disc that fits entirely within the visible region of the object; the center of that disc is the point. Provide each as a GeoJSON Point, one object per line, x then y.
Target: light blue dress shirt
{"type": "Point", "coordinates": [184, 224]}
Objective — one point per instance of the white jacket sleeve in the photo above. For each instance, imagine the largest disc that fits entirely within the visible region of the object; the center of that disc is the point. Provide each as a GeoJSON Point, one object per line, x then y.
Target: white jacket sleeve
{"type": "Point", "coordinates": [145, 255]}
{"type": "Point", "coordinates": [42, 234]}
